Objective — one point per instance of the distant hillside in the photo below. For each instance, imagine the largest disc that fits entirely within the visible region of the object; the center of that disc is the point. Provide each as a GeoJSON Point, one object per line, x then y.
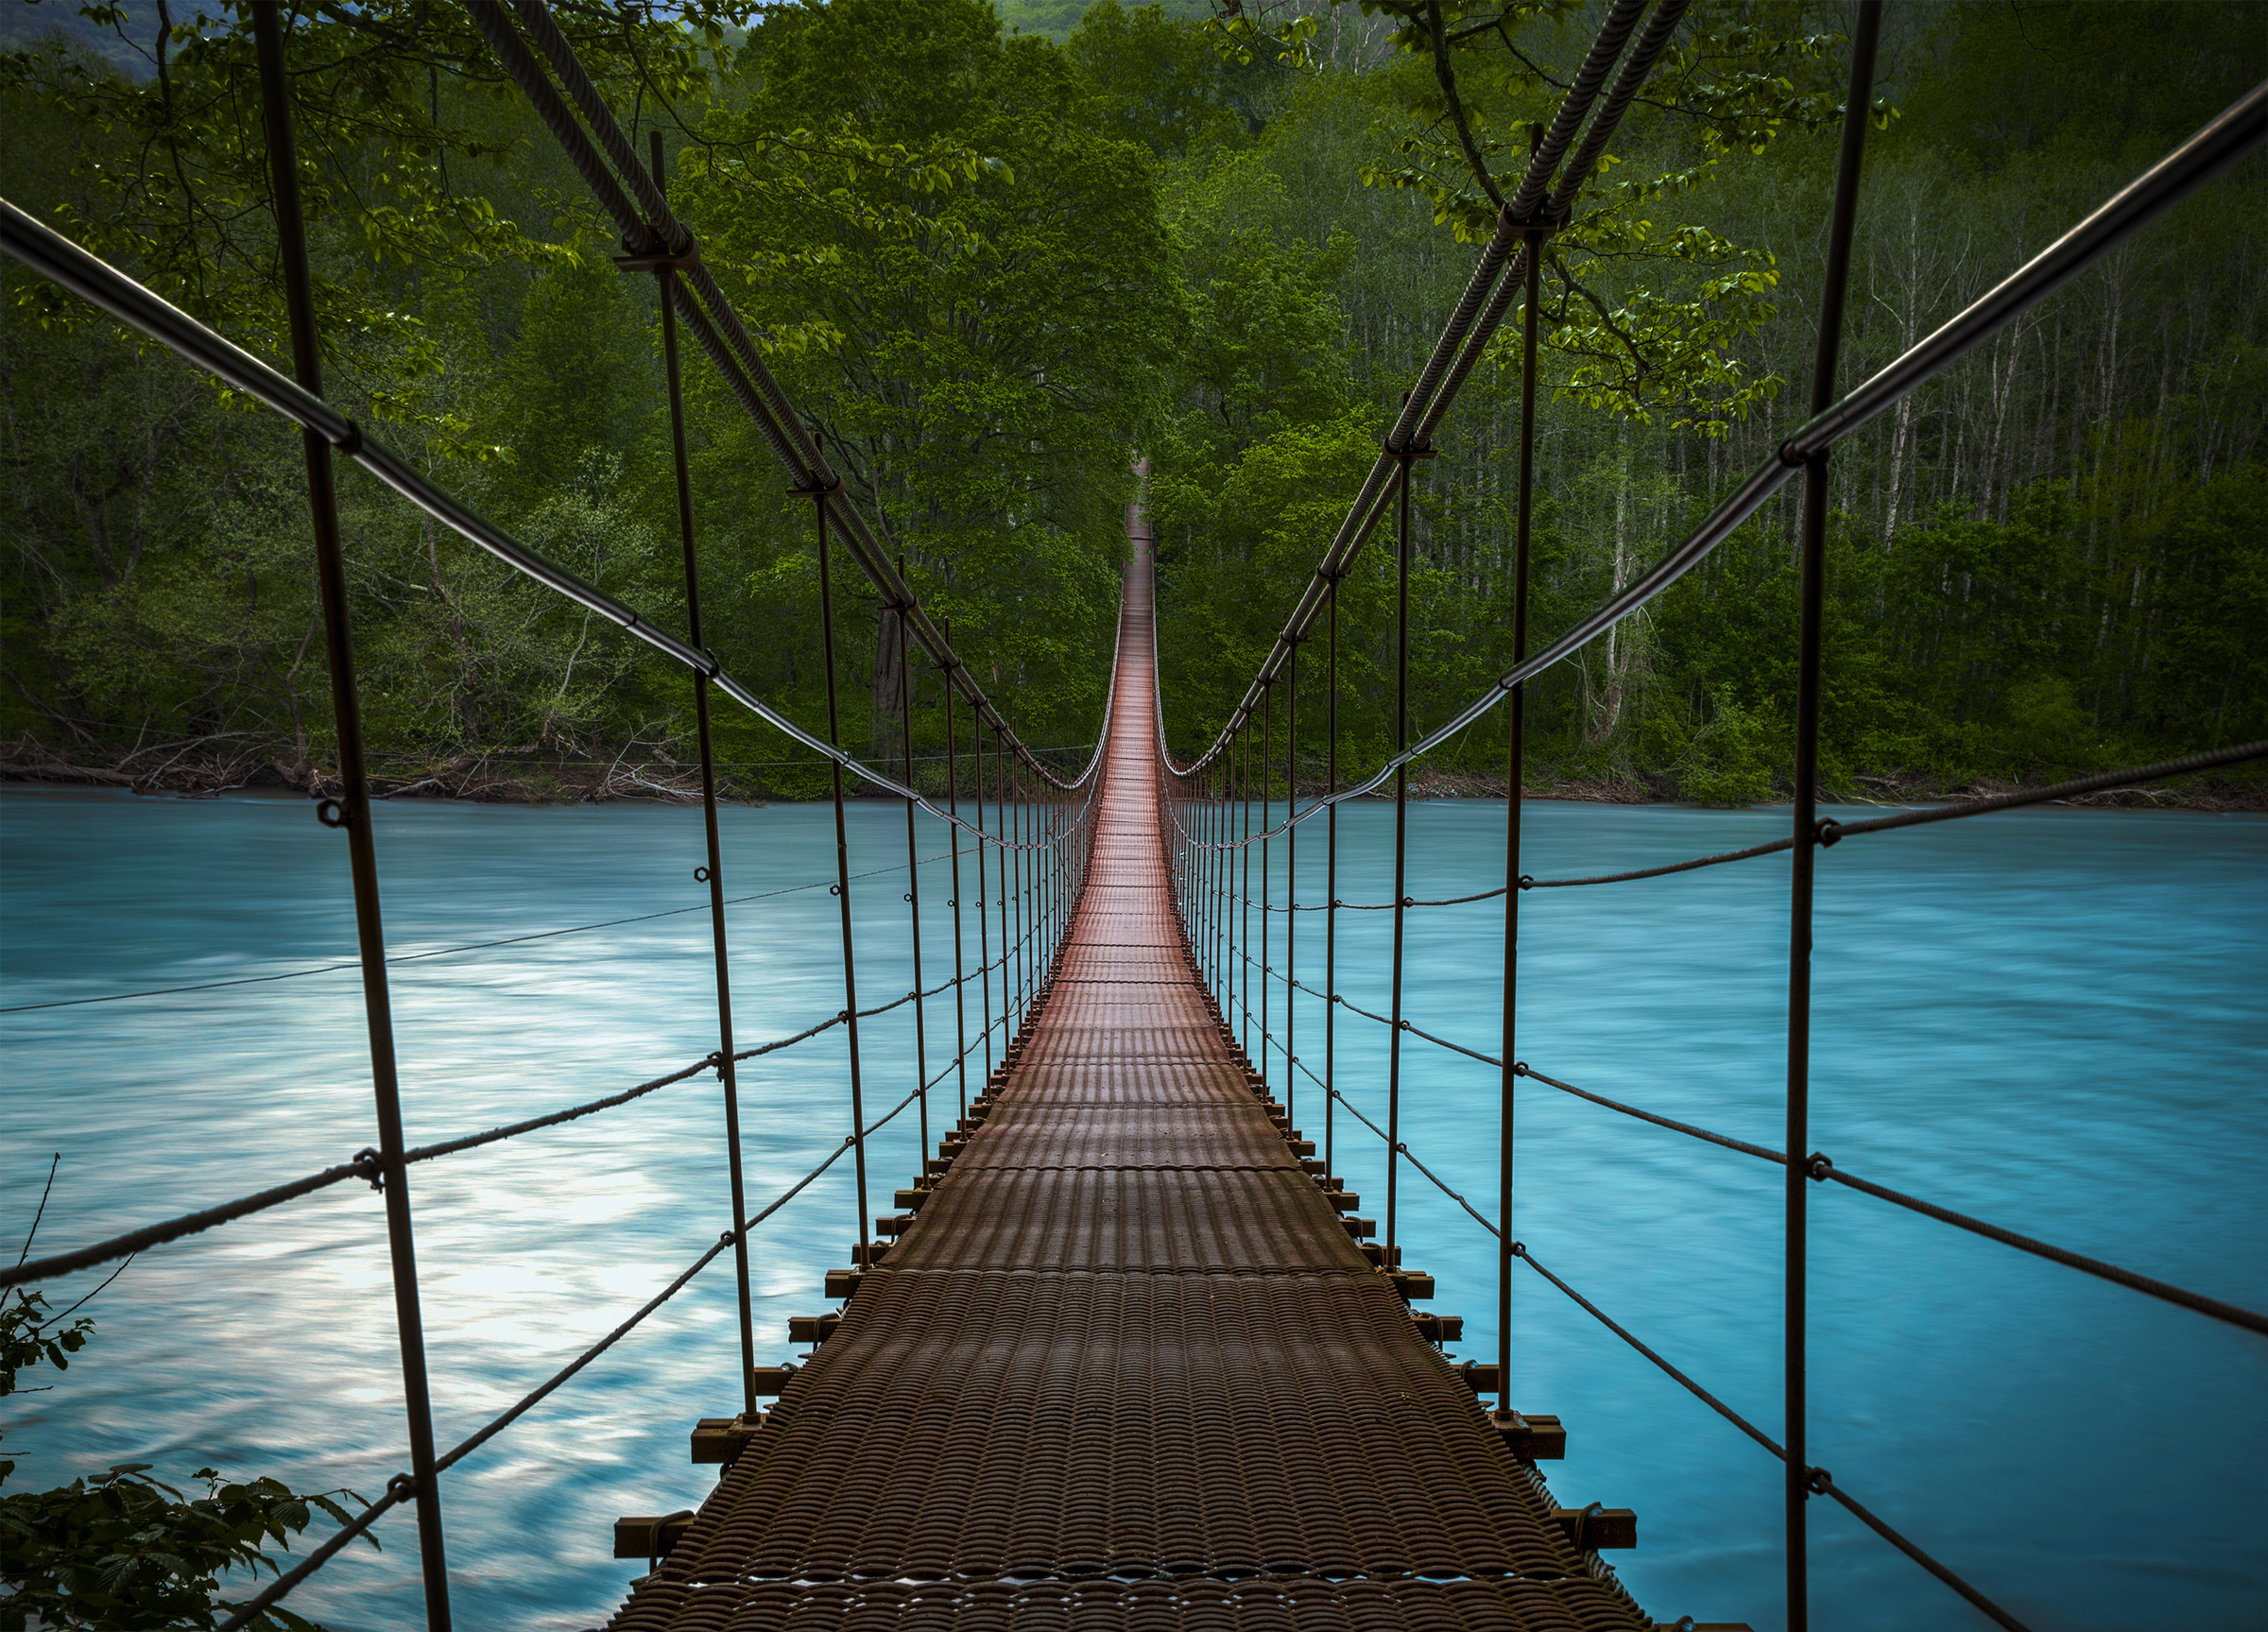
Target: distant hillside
{"type": "Point", "coordinates": [30, 19]}
{"type": "Point", "coordinates": [1057, 18]}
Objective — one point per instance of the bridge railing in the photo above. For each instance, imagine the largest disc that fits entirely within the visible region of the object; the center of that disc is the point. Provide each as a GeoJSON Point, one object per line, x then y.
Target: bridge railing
{"type": "Point", "coordinates": [1038, 839]}
{"type": "Point", "coordinates": [1220, 805]}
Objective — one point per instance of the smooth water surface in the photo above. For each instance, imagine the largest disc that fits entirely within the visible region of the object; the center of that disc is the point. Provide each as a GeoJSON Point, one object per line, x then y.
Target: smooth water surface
{"type": "Point", "coordinates": [2050, 1019]}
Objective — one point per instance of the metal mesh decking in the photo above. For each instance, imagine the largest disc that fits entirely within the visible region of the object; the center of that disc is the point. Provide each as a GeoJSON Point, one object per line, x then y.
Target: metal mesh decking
{"type": "Point", "coordinates": [1127, 1368]}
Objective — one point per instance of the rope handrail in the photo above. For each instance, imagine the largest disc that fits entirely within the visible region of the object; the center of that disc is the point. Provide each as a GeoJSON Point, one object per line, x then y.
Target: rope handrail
{"type": "Point", "coordinates": [1818, 1167]}
{"type": "Point", "coordinates": [365, 1167]}
{"type": "Point", "coordinates": [1821, 1481]}
{"type": "Point", "coordinates": [1439, 1183]}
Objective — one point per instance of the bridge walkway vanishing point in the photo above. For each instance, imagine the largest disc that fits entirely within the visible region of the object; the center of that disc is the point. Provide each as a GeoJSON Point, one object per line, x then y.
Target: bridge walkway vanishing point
{"type": "Point", "coordinates": [1126, 1366]}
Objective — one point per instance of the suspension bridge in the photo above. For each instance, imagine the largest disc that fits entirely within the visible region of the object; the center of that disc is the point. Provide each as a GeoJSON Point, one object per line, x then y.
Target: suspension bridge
{"type": "Point", "coordinates": [1128, 1355]}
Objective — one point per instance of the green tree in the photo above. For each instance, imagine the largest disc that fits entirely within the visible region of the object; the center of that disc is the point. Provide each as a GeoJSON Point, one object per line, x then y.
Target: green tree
{"type": "Point", "coordinates": [999, 342]}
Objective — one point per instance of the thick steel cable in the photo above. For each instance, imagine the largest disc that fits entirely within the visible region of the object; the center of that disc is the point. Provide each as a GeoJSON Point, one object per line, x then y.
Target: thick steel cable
{"type": "Point", "coordinates": [1628, 83]}
{"type": "Point", "coordinates": [1423, 406]}
{"type": "Point", "coordinates": [1742, 1146]}
{"type": "Point", "coordinates": [650, 223]}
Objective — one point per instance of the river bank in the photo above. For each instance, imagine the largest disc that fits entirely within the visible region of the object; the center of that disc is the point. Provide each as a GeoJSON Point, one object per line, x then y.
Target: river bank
{"type": "Point", "coordinates": [524, 778]}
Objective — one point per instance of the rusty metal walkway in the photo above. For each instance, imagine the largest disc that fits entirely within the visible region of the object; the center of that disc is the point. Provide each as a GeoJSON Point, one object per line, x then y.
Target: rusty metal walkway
{"type": "Point", "coordinates": [1127, 1366]}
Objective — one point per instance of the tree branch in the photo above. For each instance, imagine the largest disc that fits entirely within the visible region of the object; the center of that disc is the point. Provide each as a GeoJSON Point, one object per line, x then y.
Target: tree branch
{"type": "Point", "coordinates": [1447, 77]}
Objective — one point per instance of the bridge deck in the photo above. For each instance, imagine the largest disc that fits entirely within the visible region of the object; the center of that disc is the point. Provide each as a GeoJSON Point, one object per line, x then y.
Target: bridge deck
{"type": "Point", "coordinates": [1127, 1368]}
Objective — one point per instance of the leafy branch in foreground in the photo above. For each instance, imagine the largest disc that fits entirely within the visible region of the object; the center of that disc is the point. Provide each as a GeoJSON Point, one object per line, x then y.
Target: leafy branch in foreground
{"type": "Point", "coordinates": [118, 1550]}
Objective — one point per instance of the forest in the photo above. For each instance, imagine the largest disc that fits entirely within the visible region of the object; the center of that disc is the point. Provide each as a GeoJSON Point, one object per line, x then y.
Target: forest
{"type": "Point", "coordinates": [999, 255]}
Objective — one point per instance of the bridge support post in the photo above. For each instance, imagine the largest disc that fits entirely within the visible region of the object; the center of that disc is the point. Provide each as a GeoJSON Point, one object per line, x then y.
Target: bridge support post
{"type": "Point", "coordinates": [1007, 947]}
{"type": "Point", "coordinates": [1515, 771]}
{"type": "Point", "coordinates": [984, 924]}
{"type": "Point", "coordinates": [952, 831]}
{"type": "Point", "coordinates": [1330, 871]}
{"type": "Point", "coordinates": [913, 877]}
{"type": "Point", "coordinates": [1796, 1309]}
{"type": "Point", "coordinates": [665, 281]}
{"type": "Point", "coordinates": [842, 858]}
{"type": "Point", "coordinates": [1267, 848]}
{"type": "Point", "coordinates": [350, 810]}
{"type": "Point", "coordinates": [1290, 889]}
{"type": "Point", "coordinates": [1404, 457]}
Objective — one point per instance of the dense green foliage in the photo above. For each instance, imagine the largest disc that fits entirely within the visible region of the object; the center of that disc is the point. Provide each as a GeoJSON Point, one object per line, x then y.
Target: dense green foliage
{"type": "Point", "coordinates": [1018, 249]}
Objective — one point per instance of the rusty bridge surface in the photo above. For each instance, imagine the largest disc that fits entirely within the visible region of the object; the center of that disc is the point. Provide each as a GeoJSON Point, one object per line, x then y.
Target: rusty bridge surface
{"type": "Point", "coordinates": [1127, 1365]}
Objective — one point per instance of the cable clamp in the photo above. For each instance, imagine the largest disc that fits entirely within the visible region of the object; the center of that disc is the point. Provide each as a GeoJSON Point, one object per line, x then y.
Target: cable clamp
{"type": "Point", "coordinates": [401, 1486]}
{"type": "Point", "coordinates": [1527, 881]}
{"type": "Point", "coordinates": [818, 490]}
{"type": "Point", "coordinates": [1537, 226]}
{"type": "Point", "coordinates": [1827, 833]}
{"type": "Point", "coordinates": [700, 875]}
{"type": "Point", "coordinates": [1404, 455]}
{"type": "Point", "coordinates": [332, 813]}
{"type": "Point", "coordinates": [657, 257]}
{"type": "Point", "coordinates": [1818, 1481]}
{"type": "Point", "coordinates": [717, 1061]}
{"type": "Point", "coordinates": [368, 1158]}
{"type": "Point", "coordinates": [1816, 1166]}
{"type": "Point", "coordinates": [1520, 1068]}
{"type": "Point", "coordinates": [351, 443]}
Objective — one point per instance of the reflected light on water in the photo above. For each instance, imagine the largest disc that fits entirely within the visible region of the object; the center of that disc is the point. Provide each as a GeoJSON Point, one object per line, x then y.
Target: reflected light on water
{"type": "Point", "coordinates": [2051, 1018]}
